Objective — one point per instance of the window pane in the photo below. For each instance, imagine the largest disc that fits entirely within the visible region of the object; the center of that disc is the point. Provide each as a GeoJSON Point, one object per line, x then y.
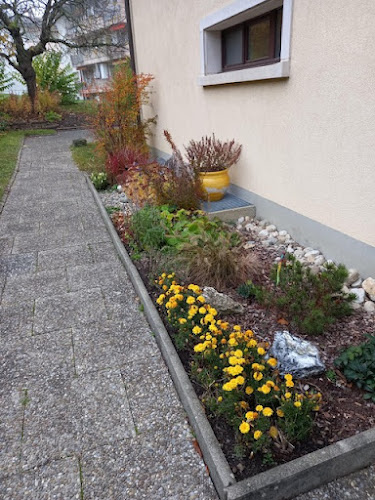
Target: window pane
{"type": "Point", "coordinates": [259, 40]}
{"type": "Point", "coordinates": [233, 46]}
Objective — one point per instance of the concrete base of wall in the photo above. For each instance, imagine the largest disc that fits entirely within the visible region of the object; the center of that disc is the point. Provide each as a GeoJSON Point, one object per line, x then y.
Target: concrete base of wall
{"type": "Point", "coordinates": [333, 244]}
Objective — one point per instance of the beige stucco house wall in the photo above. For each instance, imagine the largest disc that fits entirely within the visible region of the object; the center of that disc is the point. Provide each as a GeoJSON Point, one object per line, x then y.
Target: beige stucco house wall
{"type": "Point", "coordinates": [308, 160]}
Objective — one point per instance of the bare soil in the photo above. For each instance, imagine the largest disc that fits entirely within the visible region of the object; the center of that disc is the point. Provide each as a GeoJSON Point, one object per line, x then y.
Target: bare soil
{"type": "Point", "coordinates": [69, 121]}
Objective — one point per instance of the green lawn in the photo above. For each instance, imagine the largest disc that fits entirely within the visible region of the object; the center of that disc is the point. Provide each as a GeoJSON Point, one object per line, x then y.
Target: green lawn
{"type": "Point", "coordinates": [10, 143]}
{"type": "Point", "coordinates": [88, 158]}
{"type": "Point", "coordinates": [83, 107]}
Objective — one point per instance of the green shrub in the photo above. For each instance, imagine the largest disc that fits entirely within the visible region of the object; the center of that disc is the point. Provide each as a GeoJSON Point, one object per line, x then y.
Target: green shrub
{"type": "Point", "coordinates": [53, 77]}
{"type": "Point", "coordinates": [309, 301]}
{"type": "Point", "coordinates": [99, 180]}
{"type": "Point", "coordinates": [148, 228]}
{"type": "Point", "coordinates": [246, 290]}
{"type": "Point", "coordinates": [357, 363]}
{"type": "Point", "coordinates": [52, 116]}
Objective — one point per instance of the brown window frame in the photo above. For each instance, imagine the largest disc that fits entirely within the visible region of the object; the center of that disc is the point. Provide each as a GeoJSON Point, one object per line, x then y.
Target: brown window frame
{"type": "Point", "coordinates": [272, 56]}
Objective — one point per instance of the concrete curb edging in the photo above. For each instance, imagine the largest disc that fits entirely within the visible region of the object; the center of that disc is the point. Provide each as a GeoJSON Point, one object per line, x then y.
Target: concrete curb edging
{"type": "Point", "coordinates": [12, 179]}
{"type": "Point", "coordinates": [213, 455]}
{"type": "Point", "coordinates": [280, 483]}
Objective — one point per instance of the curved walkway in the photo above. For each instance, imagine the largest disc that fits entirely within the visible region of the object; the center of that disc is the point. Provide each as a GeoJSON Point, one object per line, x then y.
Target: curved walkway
{"type": "Point", "coordinates": [87, 407]}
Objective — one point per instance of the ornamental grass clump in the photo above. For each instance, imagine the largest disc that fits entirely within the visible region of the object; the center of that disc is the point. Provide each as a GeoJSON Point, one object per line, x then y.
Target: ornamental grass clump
{"type": "Point", "coordinates": [212, 155]}
{"type": "Point", "coordinates": [241, 381]}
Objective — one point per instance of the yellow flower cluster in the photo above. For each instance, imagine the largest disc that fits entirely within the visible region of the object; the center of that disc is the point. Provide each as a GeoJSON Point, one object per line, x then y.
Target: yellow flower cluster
{"type": "Point", "coordinates": [250, 376]}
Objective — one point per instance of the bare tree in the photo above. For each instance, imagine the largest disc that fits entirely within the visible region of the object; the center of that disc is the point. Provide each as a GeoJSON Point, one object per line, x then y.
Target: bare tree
{"type": "Point", "coordinates": [29, 27]}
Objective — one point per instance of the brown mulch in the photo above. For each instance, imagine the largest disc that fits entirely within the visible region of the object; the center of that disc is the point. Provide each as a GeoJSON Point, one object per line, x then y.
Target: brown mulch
{"type": "Point", "coordinates": [69, 121]}
{"type": "Point", "coordinates": [344, 412]}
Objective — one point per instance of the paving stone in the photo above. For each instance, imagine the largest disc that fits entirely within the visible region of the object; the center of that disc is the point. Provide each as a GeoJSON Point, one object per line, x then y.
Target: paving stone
{"type": "Point", "coordinates": [147, 467]}
{"type": "Point", "coordinates": [100, 346]}
{"type": "Point", "coordinates": [121, 303]}
{"type": "Point", "coordinates": [59, 479]}
{"type": "Point", "coordinates": [63, 257]}
{"type": "Point", "coordinates": [6, 244]}
{"type": "Point", "coordinates": [88, 276]}
{"type": "Point", "coordinates": [12, 227]}
{"type": "Point", "coordinates": [43, 284]}
{"type": "Point", "coordinates": [104, 252]}
{"type": "Point", "coordinates": [12, 395]}
{"type": "Point", "coordinates": [46, 356]}
{"type": "Point", "coordinates": [106, 416]}
{"type": "Point", "coordinates": [19, 487]}
{"type": "Point", "coordinates": [52, 421]}
{"type": "Point", "coordinates": [13, 265]}
{"type": "Point", "coordinates": [67, 310]}
{"type": "Point", "coordinates": [16, 318]}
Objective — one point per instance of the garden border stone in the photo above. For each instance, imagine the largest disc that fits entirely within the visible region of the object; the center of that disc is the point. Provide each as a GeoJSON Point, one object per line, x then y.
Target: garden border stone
{"type": "Point", "coordinates": [12, 179]}
{"type": "Point", "coordinates": [280, 483]}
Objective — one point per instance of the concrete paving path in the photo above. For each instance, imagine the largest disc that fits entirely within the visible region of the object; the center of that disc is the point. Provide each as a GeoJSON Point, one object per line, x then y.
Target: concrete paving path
{"type": "Point", "coordinates": [87, 407]}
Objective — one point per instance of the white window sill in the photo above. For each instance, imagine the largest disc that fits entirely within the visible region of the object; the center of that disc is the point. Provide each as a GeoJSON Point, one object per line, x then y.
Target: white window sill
{"type": "Point", "coordinates": [268, 72]}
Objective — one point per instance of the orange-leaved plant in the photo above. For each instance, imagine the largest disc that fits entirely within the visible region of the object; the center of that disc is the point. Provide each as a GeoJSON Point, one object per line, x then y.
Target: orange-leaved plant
{"type": "Point", "coordinates": [118, 124]}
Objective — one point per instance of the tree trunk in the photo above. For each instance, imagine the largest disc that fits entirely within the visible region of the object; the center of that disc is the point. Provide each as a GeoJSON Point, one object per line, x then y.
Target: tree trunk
{"type": "Point", "coordinates": [28, 73]}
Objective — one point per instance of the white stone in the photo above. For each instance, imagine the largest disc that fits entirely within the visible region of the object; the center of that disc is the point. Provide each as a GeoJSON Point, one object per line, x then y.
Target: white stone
{"type": "Point", "coordinates": [345, 289]}
{"type": "Point", "coordinates": [283, 232]}
{"type": "Point", "coordinates": [296, 356]}
{"type": "Point", "coordinates": [319, 261]}
{"type": "Point", "coordinates": [119, 188]}
{"type": "Point", "coordinates": [241, 220]}
{"type": "Point", "coordinates": [355, 306]}
{"type": "Point", "coordinates": [298, 254]}
{"type": "Point", "coordinates": [312, 253]}
{"type": "Point", "coordinates": [369, 306]}
{"type": "Point", "coordinates": [275, 234]}
{"type": "Point", "coordinates": [250, 227]}
{"type": "Point", "coordinates": [353, 275]}
{"type": "Point", "coordinates": [281, 239]}
{"type": "Point", "coordinates": [271, 228]}
{"type": "Point", "coordinates": [263, 223]}
{"type": "Point", "coordinates": [290, 249]}
{"type": "Point", "coordinates": [307, 250]}
{"type": "Point", "coordinates": [369, 287]}
{"type": "Point", "coordinates": [360, 293]}
{"type": "Point", "coordinates": [357, 283]}
{"type": "Point", "coordinates": [263, 234]}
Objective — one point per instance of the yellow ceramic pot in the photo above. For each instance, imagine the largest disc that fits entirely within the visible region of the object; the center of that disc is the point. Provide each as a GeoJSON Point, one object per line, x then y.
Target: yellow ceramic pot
{"type": "Point", "coordinates": [215, 184]}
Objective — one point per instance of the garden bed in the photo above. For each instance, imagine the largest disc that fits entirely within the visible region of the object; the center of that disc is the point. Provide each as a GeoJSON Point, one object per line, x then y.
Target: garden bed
{"type": "Point", "coordinates": [343, 412]}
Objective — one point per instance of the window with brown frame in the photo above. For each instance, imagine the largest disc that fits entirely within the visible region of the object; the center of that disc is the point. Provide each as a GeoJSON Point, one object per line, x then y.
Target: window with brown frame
{"type": "Point", "coordinates": [252, 43]}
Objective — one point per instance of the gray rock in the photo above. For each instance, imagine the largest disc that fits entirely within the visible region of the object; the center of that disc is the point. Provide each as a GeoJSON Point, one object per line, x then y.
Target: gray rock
{"type": "Point", "coordinates": [345, 289]}
{"type": "Point", "coordinates": [355, 306]}
{"type": "Point", "coordinates": [275, 234]}
{"type": "Point", "coordinates": [369, 306]}
{"type": "Point", "coordinates": [312, 253]}
{"type": "Point", "coordinates": [250, 227]}
{"type": "Point", "coordinates": [271, 228]}
{"type": "Point", "coordinates": [283, 232]}
{"type": "Point", "coordinates": [352, 276]}
{"type": "Point", "coordinates": [369, 287]}
{"type": "Point", "coordinates": [360, 293]}
{"type": "Point", "coordinates": [315, 270]}
{"type": "Point", "coordinates": [222, 302]}
{"type": "Point", "coordinates": [263, 234]}
{"type": "Point", "coordinates": [296, 356]}
{"type": "Point", "coordinates": [263, 223]}
{"type": "Point", "coordinates": [357, 283]}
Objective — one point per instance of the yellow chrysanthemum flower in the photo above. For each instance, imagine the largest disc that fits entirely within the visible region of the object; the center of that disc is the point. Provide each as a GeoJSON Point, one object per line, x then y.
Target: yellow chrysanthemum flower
{"type": "Point", "coordinates": [297, 404]}
{"type": "Point", "coordinates": [257, 435]}
{"type": "Point", "coordinates": [280, 412]}
{"type": "Point", "coordinates": [272, 362]}
{"type": "Point", "coordinates": [237, 328]}
{"type": "Point", "coordinates": [182, 321]}
{"type": "Point", "coordinates": [258, 376]}
{"type": "Point", "coordinates": [261, 351]}
{"type": "Point", "coordinates": [259, 408]}
{"type": "Point", "coordinates": [220, 399]}
{"type": "Point", "coordinates": [249, 390]}
{"type": "Point", "coordinates": [244, 428]}
{"type": "Point", "coordinates": [289, 383]}
{"type": "Point", "coordinates": [190, 300]}
{"type": "Point", "coordinates": [288, 395]}
{"type": "Point", "coordinates": [199, 347]}
{"type": "Point", "coordinates": [196, 330]}
{"type": "Point", "coordinates": [201, 299]}
{"type": "Point", "coordinates": [273, 432]}
{"type": "Point", "coordinates": [234, 370]}
{"type": "Point", "coordinates": [288, 376]}
{"type": "Point", "coordinates": [265, 389]}
{"type": "Point", "coordinates": [202, 310]}
{"type": "Point", "coordinates": [267, 411]}
{"type": "Point", "coordinates": [251, 415]}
